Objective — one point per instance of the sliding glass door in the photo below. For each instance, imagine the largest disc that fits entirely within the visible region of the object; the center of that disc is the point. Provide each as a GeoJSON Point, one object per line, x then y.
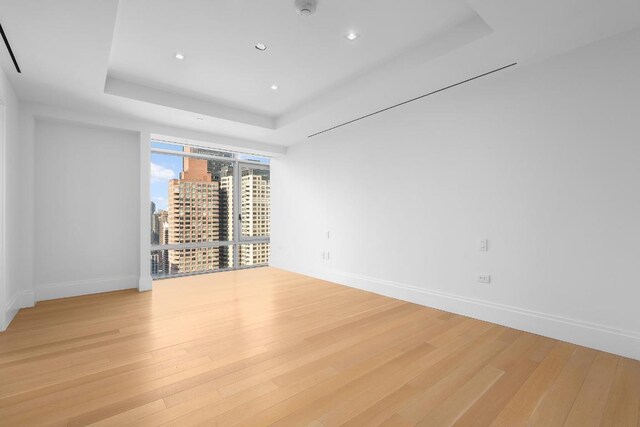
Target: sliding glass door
{"type": "Point", "coordinates": [210, 210]}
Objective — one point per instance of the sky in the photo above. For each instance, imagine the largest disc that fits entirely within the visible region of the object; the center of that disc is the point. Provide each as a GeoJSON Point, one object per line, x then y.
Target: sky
{"type": "Point", "coordinates": [163, 168]}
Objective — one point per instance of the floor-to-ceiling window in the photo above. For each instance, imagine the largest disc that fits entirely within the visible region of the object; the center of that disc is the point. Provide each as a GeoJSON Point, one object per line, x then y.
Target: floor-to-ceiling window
{"type": "Point", "coordinates": [210, 210]}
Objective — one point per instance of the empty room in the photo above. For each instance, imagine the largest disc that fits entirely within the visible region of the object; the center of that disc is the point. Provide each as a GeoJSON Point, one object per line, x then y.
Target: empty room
{"type": "Point", "coordinates": [320, 213]}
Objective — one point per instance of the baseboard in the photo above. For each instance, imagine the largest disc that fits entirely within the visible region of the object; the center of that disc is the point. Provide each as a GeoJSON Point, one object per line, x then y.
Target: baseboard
{"type": "Point", "coordinates": [27, 299]}
{"type": "Point", "coordinates": [10, 310]}
{"type": "Point", "coordinates": [618, 341]}
{"type": "Point", "coordinates": [145, 284]}
{"type": "Point", "coordinates": [84, 287]}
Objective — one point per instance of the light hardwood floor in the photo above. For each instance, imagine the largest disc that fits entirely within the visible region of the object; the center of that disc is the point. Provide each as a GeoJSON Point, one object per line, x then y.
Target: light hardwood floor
{"type": "Point", "coordinates": [264, 346]}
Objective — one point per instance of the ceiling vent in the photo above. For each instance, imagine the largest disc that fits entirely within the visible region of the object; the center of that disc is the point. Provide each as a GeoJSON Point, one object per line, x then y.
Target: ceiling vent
{"type": "Point", "coordinates": [414, 99]}
{"type": "Point", "coordinates": [6, 42]}
{"type": "Point", "coordinates": [306, 7]}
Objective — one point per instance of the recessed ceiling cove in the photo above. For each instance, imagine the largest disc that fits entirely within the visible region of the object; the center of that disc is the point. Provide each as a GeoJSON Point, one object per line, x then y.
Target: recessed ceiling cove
{"type": "Point", "coordinates": [224, 75]}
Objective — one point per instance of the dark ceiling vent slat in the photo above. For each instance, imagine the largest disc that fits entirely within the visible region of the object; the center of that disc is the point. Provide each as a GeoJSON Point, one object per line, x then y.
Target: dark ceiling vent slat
{"type": "Point", "coordinates": [6, 42]}
{"type": "Point", "coordinates": [414, 99]}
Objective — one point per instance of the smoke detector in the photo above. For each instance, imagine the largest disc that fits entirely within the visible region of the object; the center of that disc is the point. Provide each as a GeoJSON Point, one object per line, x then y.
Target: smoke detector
{"type": "Point", "coordinates": [306, 7]}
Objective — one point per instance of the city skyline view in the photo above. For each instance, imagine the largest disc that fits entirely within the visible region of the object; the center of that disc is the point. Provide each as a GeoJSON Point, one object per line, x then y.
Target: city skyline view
{"type": "Point", "coordinates": [165, 168]}
{"type": "Point", "coordinates": [192, 203]}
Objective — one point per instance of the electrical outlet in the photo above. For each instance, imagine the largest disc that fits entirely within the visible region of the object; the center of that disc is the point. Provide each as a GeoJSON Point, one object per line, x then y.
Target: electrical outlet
{"type": "Point", "coordinates": [484, 278]}
{"type": "Point", "coordinates": [484, 245]}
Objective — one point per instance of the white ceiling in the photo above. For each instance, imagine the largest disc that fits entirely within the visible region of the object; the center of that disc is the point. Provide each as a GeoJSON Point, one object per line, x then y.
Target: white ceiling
{"type": "Point", "coordinates": [116, 57]}
{"type": "Point", "coordinates": [305, 55]}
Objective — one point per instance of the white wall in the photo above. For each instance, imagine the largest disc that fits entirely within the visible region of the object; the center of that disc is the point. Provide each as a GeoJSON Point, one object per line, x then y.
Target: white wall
{"type": "Point", "coordinates": [544, 161]}
{"type": "Point", "coordinates": [87, 196]}
{"type": "Point", "coordinates": [43, 262]}
{"type": "Point", "coordinates": [9, 202]}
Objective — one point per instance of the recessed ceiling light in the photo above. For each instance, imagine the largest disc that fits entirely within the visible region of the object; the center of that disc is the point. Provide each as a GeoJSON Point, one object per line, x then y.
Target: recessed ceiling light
{"type": "Point", "coordinates": [200, 118]}
{"type": "Point", "coordinates": [274, 87]}
{"type": "Point", "coordinates": [352, 36]}
{"type": "Point", "coordinates": [179, 56]}
{"type": "Point", "coordinates": [261, 46]}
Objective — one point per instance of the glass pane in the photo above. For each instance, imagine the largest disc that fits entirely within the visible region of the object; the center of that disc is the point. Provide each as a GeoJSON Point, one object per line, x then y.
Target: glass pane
{"type": "Point", "coordinates": [172, 262]}
{"type": "Point", "coordinates": [209, 151]}
{"type": "Point", "coordinates": [254, 159]}
{"type": "Point", "coordinates": [162, 145]}
{"type": "Point", "coordinates": [253, 254]}
{"type": "Point", "coordinates": [255, 197]}
{"type": "Point", "coordinates": [191, 200]}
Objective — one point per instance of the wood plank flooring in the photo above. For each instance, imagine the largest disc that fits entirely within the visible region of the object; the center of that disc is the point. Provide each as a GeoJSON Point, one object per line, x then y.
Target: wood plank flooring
{"type": "Point", "coordinates": [267, 347]}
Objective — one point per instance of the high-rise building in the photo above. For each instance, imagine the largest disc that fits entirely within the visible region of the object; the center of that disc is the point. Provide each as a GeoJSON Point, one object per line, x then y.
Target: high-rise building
{"type": "Point", "coordinates": [255, 193]}
{"type": "Point", "coordinates": [160, 236]}
{"type": "Point", "coordinates": [218, 169]}
{"type": "Point", "coordinates": [157, 221]}
{"type": "Point", "coordinates": [226, 215]}
{"type": "Point", "coordinates": [163, 255]}
{"type": "Point", "coordinates": [155, 263]}
{"type": "Point", "coordinates": [154, 235]}
{"type": "Point", "coordinates": [164, 228]}
{"type": "Point", "coordinates": [193, 218]}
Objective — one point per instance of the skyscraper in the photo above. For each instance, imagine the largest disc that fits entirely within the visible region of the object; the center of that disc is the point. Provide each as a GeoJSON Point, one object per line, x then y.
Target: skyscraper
{"type": "Point", "coordinates": [157, 221]}
{"type": "Point", "coordinates": [163, 255]}
{"type": "Point", "coordinates": [255, 193]}
{"type": "Point", "coordinates": [226, 215]}
{"type": "Point", "coordinates": [218, 169]}
{"type": "Point", "coordinates": [154, 235]}
{"type": "Point", "coordinates": [193, 218]}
